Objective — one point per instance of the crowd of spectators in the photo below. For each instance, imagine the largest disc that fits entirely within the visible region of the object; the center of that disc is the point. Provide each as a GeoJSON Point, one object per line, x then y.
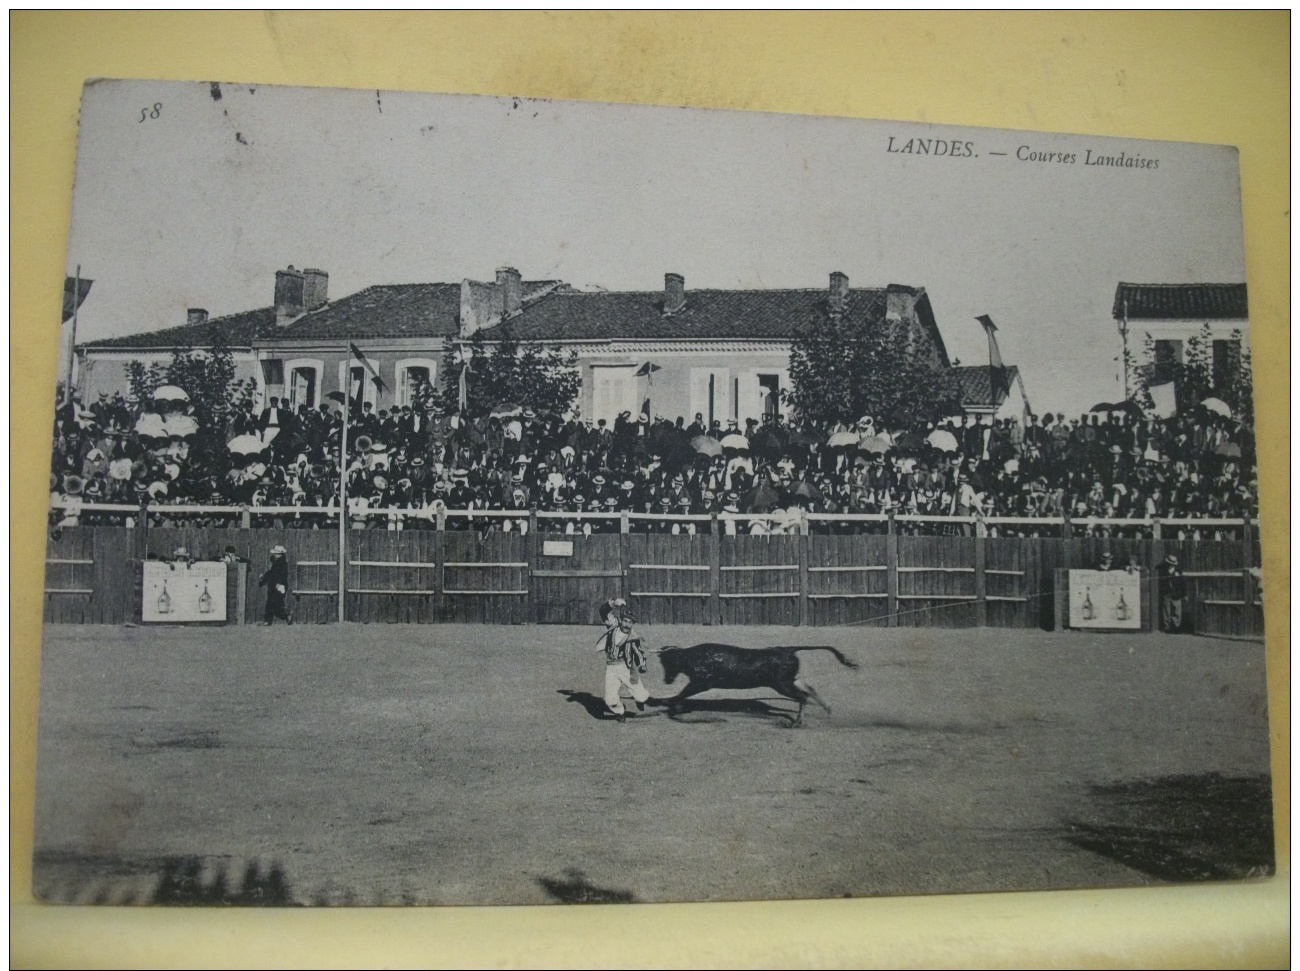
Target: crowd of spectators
{"type": "Point", "coordinates": [413, 463]}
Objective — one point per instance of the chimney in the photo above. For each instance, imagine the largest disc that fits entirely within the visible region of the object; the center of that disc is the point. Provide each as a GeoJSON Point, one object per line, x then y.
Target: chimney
{"type": "Point", "coordinates": [315, 289]}
{"type": "Point", "coordinates": [900, 304]}
{"type": "Point", "coordinates": [480, 306]}
{"type": "Point", "coordinates": [839, 296]}
{"type": "Point", "coordinates": [511, 285]}
{"type": "Point", "coordinates": [195, 316]}
{"type": "Point", "coordinates": [288, 296]}
{"type": "Point", "coordinates": [674, 292]}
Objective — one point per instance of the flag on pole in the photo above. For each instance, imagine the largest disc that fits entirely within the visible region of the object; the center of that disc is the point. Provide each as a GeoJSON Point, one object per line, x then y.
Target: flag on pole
{"type": "Point", "coordinates": [370, 368]}
{"type": "Point", "coordinates": [74, 295]}
{"type": "Point", "coordinates": [1164, 399]}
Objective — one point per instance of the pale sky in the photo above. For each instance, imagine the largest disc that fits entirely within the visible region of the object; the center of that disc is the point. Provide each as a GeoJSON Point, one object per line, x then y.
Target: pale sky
{"type": "Point", "coordinates": [199, 206]}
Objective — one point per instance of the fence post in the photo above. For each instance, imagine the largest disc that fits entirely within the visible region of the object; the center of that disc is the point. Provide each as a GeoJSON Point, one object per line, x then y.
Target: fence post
{"type": "Point", "coordinates": [246, 518]}
{"type": "Point", "coordinates": [1153, 580]}
{"type": "Point", "coordinates": [1247, 580]}
{"type": "Point", "coordinates": [625, 556]}
{"type": "Point", "coordinates": [439, 563]}
{"type": "Point", "coordinates": [1061, 598]}
{"type": "Point", "coordinates": [803, 567]}
{"type": "Point", "coordinates": [715, 573]}
{"type": "Point", "coordinates": [891, 572]}
{"type": "Point", "coordinates": [530, 557]}
{"type": "Point", "coordinates": [981, 588]}
{"type": "Point", "coordinates": [1032, 585]}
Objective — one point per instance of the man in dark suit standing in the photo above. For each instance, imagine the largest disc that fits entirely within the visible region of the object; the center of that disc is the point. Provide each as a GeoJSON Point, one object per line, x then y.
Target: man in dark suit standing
{"type": "Point", "coordinates": [276, 581]}
{"type": "Point", "coordinates": [273, 423]}
{"type": "Point", "coordinates": [1173, 591]}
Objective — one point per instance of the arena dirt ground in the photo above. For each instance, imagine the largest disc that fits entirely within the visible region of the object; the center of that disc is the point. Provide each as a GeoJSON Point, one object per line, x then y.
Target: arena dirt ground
{"type": "Point", "coordinates": [470, 765]}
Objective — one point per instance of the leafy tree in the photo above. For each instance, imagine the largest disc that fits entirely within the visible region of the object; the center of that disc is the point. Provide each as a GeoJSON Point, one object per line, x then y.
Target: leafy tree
{"type": "Point", "coordinates": [1194, 377]}
{"type": "Point", "coordinates": [842, 368]}
{"type": "Point", "coordinates": [508, 371]}
{"type": "Point", "coordinates": [1239, 389]}
{"type": "Point", "coordinates": [208, 377]}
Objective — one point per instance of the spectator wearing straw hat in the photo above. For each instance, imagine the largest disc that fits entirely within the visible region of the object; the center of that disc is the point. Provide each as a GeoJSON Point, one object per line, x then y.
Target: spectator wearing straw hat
{"type": "Point", "coordinates": [276, 581]}
{"type": "Point", "coordinates": [1173, 592]}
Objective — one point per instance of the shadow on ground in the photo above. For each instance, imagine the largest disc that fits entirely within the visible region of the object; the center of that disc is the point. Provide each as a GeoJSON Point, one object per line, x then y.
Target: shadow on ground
{"type": "Point", "coordinates": [166, 881]}
{"type": "Point", "coordinates": [595, 706]}
{"type": "Point", "coordinates": [575, 888]}
{"type": "Point", "coordinates": [1181, 828]}
{"type": "Point", "coordinates": [694, 712]}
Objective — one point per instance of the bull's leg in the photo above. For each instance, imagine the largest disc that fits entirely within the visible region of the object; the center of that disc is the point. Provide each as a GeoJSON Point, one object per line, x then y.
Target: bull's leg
{"type": "Point", "coordinates": [808, 689]}
{"type": "Point", "coordinates": [675, 703]}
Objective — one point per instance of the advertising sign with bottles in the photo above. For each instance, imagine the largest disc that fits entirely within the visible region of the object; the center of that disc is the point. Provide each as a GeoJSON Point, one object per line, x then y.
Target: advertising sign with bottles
{"type": "Point", "coordinates": [176, 593]}
{"type": "Point", "coordinates": [1105, 599]}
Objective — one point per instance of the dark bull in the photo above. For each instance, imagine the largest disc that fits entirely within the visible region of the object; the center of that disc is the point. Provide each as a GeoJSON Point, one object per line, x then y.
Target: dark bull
{"type": "Point", "coordinates": [710, 666]}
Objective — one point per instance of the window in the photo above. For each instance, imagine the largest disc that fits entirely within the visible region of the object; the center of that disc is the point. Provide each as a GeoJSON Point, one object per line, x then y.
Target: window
{"type": "Point", "coordinates": [1226, 361]}
{"type": "Point", "coordinates": [304, 382]}
{"type": "Point", "coordinates": [302, 389]}
{"type": "Point", "coordinates": [413, 374]}
{"type": "Point", "coordinates": [273, 373]}
{"type": "Point", "coordinates": [709, 395]}
{"type": "Point", "coordinates": [1167, 354]}
{"type": "Point", "coordinates": [359, 382]}
{"type": "Point", "coordinates": [613, 391]}
{"type": "Point", "coordinates": [769, 386]}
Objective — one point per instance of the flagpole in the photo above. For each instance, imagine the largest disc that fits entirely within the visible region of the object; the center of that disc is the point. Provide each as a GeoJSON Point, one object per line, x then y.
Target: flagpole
{"type": "Point", "coordinates": [343, 492]}
{"type": "Point", "coordinates": [72, 344]}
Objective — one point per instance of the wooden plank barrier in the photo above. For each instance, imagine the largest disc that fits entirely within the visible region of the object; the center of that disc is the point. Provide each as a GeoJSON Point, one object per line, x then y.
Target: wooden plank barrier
{"type": "Point", "coordinates": [529, 575]}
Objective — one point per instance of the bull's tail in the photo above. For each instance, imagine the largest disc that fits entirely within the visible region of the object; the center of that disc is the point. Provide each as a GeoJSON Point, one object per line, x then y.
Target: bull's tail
{"type": "Point", "coordinates": [840, 657]}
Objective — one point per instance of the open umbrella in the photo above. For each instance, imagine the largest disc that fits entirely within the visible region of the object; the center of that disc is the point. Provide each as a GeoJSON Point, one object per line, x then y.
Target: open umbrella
{"type": "Point", "coordinates": [735, 441]}
{"type": "Point", "coordinates": [507, 410]}
{"type": "Point", "coordinates": [1229, 450]}
{"type": "Point", "coordinates": [1131, 408]}
{"type": "Point", "coordinates": [759, 499]}
{"type": "Point", "coordinates": [169, 392]}
{"type": "Point", "coordinates": [678, 455]}
{"type": "Point", "coordinates": [150, 425]}
{"type": "Point", "coordinates": [706, 445]}
{"type": "Point", "coordinates": [944, 441]}
{"type": "Point", "coordinates": [875, 444]}
{"type": "Point", "coordinates": [809, 491]}
{"type": "Point", "coordinates": [908, 440]}
{"type": "Point", "coordinates": [842, 440]}
{"type": "Point", "coordinates": [1217, 406]}
{"type": "Point", "coordinates": [180, 426]}
{"type": "Point", "coordinates": [245, 445]}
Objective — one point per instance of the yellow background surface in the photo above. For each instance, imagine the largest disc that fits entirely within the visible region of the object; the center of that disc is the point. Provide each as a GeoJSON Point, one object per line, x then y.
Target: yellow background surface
{"type": "Point", "coordinates": [1217, 77]}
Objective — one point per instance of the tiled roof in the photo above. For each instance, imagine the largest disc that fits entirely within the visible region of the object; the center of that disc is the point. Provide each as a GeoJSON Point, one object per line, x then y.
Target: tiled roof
{"type": "Point", "coordinates": [239, 330]}
{"type": "Point", "coordinates": [712, 314]}
{"type": "Point", "coordinates": [983, 386]}
{"type": "Point", "coordinates": [390, 310]}
{"type": "Point", "coordinates": [1180, 301]}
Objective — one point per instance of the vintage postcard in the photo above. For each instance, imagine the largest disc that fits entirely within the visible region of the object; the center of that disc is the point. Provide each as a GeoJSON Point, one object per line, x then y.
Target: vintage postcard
{"type": "Point", "coordinates": [464, 500]}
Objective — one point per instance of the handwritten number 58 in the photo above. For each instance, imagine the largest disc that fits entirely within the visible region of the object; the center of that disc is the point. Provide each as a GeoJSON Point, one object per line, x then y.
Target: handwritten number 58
{"type": "Point", "coordinates": [153, 112]}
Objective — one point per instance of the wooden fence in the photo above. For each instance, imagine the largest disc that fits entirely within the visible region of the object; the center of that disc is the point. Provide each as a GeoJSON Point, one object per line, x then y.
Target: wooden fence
{"type": "Point", "coordinates": [810, 579]}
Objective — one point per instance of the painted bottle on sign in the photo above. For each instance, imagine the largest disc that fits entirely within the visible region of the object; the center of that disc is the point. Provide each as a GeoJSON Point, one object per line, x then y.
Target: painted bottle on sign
{"type": "Point", "coordinates": [1121, 608]}
{"type": "Point", "coordinates": [164, 600]}
{"type": "Point", "coordinates": [1088, 612]}
{"type": "Point", "coordinates": [205, 600]}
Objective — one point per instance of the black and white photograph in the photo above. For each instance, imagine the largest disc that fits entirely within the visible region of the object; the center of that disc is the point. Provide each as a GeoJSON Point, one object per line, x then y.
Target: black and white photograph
{"type": "Point", "coordinates": [462, 500]}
